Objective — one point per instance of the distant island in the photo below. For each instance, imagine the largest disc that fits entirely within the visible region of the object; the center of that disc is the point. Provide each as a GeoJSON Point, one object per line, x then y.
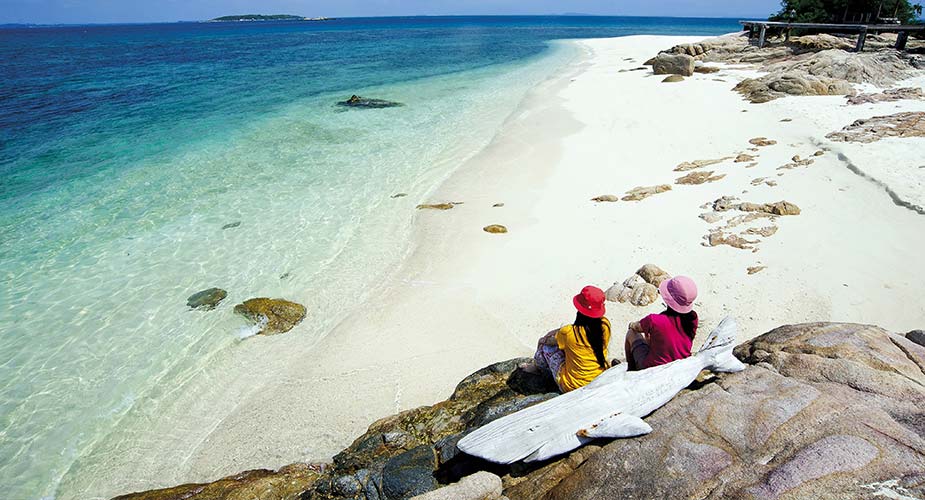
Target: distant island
{"type": "Point", "coordinates": [261, 17]}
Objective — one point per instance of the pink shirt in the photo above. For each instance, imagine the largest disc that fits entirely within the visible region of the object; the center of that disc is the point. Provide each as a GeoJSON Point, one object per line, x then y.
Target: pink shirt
{"type": "Point", "coordinates": [667, 340]}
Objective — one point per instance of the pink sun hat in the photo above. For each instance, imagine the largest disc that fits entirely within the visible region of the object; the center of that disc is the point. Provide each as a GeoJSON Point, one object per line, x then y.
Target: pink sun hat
{"type": "Point", "coordinates": [679, 293]}
{"type": "Point", "coordinates": [590, 302]}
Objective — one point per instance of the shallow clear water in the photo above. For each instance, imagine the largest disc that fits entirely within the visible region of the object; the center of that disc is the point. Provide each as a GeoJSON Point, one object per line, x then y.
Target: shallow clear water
{"type": "Point", "coordinates": [124, 150]}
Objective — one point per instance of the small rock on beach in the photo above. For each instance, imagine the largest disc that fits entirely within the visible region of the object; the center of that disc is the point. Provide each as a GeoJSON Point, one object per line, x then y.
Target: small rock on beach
{"type": "Point", "coordinates": [495, 229]}
{"type": "Point", "coordinates": [436, 206]}
{"type": "Point", "coordinates": [673, 79]}
{"type": "Point", "coordinates": [606, 198]}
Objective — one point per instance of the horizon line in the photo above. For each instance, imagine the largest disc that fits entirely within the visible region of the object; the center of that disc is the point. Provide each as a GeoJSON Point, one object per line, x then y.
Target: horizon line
{"type": "Point", "coordinates": [130, 23]}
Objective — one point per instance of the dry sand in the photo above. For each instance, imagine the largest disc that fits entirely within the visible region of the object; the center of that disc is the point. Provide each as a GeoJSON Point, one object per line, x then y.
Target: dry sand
{"type": "Point", "coordinates": [466, 298]}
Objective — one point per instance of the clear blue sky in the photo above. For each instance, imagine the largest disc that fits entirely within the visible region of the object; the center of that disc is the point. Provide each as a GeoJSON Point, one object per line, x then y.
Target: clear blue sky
{"type": "Point", "coordinates": [110, 11]}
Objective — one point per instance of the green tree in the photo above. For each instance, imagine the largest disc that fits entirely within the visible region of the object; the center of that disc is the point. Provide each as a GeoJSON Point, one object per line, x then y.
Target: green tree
{"type": "Point", "coordinates": [844, 11]}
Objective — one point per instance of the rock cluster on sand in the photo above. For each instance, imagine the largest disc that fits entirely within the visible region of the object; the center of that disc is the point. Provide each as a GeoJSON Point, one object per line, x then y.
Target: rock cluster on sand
{"type": "Point", "coordinates": [356, 101]}
{"type": "Point", "coordinates": [206, 300]}
{"type": "Point", "coordinates": [273, 315]}
{"type": "Point", "coordinates": [908, 124]}
{"type": "Point", "coordinates": [640, 289]}
{"type": "Point", "coordinates": [673, 64]}
{"type": "Point", "coordinates": [643, 192]}
{"type": "Point", "coordinates": [823, 410]}
{"type": "Point", "coordinates": [889, 95]}
{"type": "Point", "coordinates": [753, 212]}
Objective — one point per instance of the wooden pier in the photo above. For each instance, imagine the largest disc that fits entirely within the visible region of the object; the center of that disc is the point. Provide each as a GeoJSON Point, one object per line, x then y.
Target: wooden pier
{"type": "Point", "coordinates": [761, 27]}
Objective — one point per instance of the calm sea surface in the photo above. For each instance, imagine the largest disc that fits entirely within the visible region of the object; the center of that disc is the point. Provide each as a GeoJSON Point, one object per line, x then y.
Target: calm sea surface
{"type": "Point", "coordinates": [125, 150]}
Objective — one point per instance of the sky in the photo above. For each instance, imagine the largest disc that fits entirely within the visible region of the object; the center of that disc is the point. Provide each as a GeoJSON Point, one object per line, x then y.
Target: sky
{"type": "Point", "coordinates": [121, 11]}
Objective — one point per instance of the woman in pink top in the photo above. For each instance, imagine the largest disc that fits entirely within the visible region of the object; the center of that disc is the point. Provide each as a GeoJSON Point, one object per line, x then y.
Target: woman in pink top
{"type": "Point", "coordinates": [662, 338]}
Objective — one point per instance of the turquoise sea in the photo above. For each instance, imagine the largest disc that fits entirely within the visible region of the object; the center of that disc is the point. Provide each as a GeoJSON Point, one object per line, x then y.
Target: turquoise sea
{"type": "Point", "coordinates": [126, 149]}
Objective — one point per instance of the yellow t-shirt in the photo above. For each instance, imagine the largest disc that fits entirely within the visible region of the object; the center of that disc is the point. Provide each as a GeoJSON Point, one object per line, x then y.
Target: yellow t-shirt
{"type": "Point", "coordinates": [581, 366]}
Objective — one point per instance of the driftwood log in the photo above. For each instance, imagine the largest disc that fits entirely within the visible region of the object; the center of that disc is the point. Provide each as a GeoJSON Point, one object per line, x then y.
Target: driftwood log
{"type": "Point", "coordinates": [612, 406]}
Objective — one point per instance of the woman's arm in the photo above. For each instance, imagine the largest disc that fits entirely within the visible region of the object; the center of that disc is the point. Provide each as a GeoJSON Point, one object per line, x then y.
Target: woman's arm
{"type": "Point", "coordinates": [550, 338]}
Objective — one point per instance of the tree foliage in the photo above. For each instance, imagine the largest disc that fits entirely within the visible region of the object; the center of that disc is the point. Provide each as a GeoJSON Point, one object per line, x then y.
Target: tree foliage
{"type": "Point", "coordinates": [846, 11]}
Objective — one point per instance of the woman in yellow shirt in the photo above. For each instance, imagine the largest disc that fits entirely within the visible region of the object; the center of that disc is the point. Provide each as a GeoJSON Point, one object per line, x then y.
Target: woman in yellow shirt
{"type": "Point", "coordinates": [576, 354]}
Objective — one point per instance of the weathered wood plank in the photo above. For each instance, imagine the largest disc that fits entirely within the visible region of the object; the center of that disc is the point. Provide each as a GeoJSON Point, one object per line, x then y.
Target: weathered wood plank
{"type": "Point", "coordinates": [611, 406]}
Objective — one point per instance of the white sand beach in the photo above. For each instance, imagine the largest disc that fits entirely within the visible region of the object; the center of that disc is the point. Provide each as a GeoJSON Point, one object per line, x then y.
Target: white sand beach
{"type": "Point", "coordinates": [465, 298]}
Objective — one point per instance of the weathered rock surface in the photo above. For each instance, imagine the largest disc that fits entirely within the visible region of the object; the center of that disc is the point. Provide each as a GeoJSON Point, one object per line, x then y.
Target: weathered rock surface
{"type": "Point", "coordinates": [273, 315]}
{"type": "Point", "coordinates": [479, 486]}
{"type": "Point", "coordinates": [673, 64]}
{"type": "Point", "coordinates": [285, 484]}
{"type": "Point", "coordinates": [700, 177]}
{"type": "Point", "coordinates": [826, 411]}
{"type": "Point", "coordinates": [692, 165]}
{"type": "Point", "coordinates": [890, 95]}
{"type": "Point", "coordinates": [495, 229]}
{"type": "Point", "coordinates": [908, 124]}
{"type": "Point", "coordinates": [762, 142]}
{"type": "Point", "coordinates": [643, 192]}
{"type": "Point", "coordinates": [206, 300]}
{"type": "Point", "coordinates": [882, 68]}
{"type": "Point", "coordinates": [781, 84]}
{"type": "Point", "coordinates": [356, 101]}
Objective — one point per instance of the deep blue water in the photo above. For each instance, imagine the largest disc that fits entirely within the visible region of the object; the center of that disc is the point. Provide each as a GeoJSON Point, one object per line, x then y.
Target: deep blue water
{"type": "Point", "coordinates": [124, 149]}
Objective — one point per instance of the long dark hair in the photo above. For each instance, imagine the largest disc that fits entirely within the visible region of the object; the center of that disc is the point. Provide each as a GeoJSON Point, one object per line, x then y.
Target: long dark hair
{"type": "Point", "coordinates": [688, 321]}
{"type": "Point", "coordinates": [593, 329]}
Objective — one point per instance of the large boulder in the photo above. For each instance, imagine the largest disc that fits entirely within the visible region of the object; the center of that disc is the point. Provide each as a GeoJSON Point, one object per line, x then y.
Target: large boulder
{"type": "Point", "coordinates": [272, 315]}
{"type": "Point", "coordinates": [673, 64]}
{"type": "Point", "coordinates": [797, 83]}
{"type": "Point", "coordinates": [825, 411]}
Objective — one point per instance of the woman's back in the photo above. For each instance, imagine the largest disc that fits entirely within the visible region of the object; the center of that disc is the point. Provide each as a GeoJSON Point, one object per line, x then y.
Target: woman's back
{"type": "Point", "coordinates": [581, 363]}
{"type": "Point", "coordinates": [668, 339]}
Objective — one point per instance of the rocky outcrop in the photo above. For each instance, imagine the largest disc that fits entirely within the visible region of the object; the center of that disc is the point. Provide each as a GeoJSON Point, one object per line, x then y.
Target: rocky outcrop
{"type": "Point", "coordinates": [673, 64]}
{"type": "Point", "coordinates": [824, 411]}
{"type": "Point", "coordinates": [781, 84]}
{"type": "Point", "coordinates": [908, 124]}
{"type": "Point", "coordinates": [287, 483]}
{"type": "Point", "coordinates": [272, 315]}
{"type": "Point", "coordinates": [206, 300]}
{"type": "Point", "coordinates": [356, 101]}
{"type": "Point", "coordinates": [890, 95]}
{"type": "Point", "coordinates": [882, 68]}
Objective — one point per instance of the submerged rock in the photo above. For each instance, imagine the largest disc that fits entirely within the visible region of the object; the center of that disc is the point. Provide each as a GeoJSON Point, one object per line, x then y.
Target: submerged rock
{"type": "Point", "coordinates": [356, 101]}
{"type": "Point", "coordinates": [206, 300]}
{"type": "Point", "coordinates": [231, 225]}
{"type": "Point", "coordinates": [274, 315]}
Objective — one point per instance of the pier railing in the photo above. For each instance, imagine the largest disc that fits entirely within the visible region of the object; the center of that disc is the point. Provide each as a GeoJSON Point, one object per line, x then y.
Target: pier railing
{"type": "Point", "coordinates": [760, 29]}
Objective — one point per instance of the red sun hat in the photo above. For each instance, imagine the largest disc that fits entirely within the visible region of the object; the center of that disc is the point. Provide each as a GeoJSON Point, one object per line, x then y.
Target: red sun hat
{"type": "Point", "coordinates": [590, 302]}
{"type": "Point", "coordinates": [679, 293]}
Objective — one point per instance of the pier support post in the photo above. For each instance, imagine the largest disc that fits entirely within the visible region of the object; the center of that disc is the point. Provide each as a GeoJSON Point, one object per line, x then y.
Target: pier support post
{"type": "Point", "coordinates": [764, 30]}
{"type": "Point", "coordinates": [901, 40]}
{"type": "Point", "coordinates": [862, 37]}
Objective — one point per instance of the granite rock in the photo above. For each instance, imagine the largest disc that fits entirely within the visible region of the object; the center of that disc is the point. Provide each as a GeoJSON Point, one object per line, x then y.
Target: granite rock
{"type": "Point", "coordinates": [673, 64]}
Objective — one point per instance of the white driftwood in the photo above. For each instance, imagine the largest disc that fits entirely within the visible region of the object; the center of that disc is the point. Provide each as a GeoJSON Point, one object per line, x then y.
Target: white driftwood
{"type": "Point", "coordinates": [612, 406]}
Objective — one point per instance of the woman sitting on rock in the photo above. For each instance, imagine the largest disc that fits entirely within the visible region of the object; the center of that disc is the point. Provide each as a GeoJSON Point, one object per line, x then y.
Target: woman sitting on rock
{"type": "Point", "coordinates": [576, 354]}
{"type": "Point", "coordinates": [662, 338]}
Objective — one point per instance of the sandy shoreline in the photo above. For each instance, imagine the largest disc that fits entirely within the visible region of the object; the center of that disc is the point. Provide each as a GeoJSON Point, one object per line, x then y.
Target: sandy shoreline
{"type": "Point", "coordinates": [465, 298]}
